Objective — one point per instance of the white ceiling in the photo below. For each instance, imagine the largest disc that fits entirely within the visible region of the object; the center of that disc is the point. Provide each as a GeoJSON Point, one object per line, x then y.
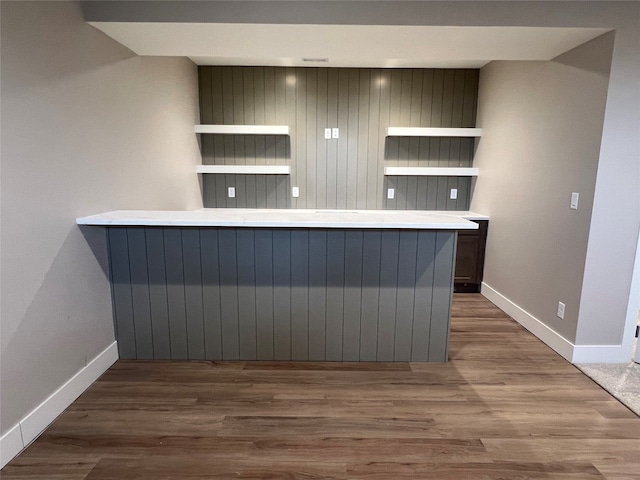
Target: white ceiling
{"type": "Point", "coordinates": [346, 45]}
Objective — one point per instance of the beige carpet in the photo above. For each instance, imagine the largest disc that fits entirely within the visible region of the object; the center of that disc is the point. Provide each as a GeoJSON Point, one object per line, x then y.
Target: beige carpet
{"type": "Point", "coordinates": [620, 380]}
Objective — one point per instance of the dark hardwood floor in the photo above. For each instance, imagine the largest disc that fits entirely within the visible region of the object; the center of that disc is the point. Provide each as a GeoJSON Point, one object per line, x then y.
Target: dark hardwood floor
{"type": "Point", "coordinates": [505, 407]}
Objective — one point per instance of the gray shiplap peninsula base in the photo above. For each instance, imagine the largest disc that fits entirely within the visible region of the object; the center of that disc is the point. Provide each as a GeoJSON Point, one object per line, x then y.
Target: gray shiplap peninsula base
{"type": "Point", "coordinates": [335, 291]}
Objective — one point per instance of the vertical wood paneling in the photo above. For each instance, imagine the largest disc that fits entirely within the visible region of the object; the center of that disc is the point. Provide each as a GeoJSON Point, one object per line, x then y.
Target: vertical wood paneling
{"type": "Point", "coordinates": [211, 293]}
{"type": "Point", "coordinates": [403, 142]}
{"type": "Point", "coordinates": [352, 295]}
{"type": "Point", "coordinates": [447, 98]}
{"type": "Point", "coordinates": [219, 140]}
{"type": "Point", "coordinates": [392, 150]}
{"type": "Point", "coordinates": [351, 135]}
{"type": "Point", "coordinates": [317, 293]}
{"type": "Point", "coordinates": [405, 97]}
{"type": "Point", "coordinates": [454, 159]}
{"type": "Point", "coordinates": [295, 140]}
{"type": "Point", "coordinates": [437, 95]}
{"type": "Point", "coordinates": [283, 144]}
{"type": "Point", "coordinates": [206, 116]}
{"type": "Point", "coordinates": [206, 94]}
{"type": "Point", "coordinates": [335, 294]}
{"type": "Point", "coordinates": [264, 293]}
{"type": "Point", "coordinates": [245, 241]}
{"type": "Point", "coordinates": [344, 172]}
{"type": "Point", "coordinates": [413, 151]}
{"type": "Point", "coordinates": [406, 295]}
{"type": "Point", "coordinates": [363, 139]}
{"type": "Point", "coordinates": [464, 192]}
{"type": "Point", "coordinates": [383, 109]}
{"type": "Point", "coordinates": [432, 191]}
{"type": "Point", "coordinates": [321, 147]}
{"type": "Point", "coordinates": [175, 293]}
{"type": "Point", "coordinates": [281, 294]}
{"type": "Point", "coordinates": [343, 141]}
{"type": "Point", "coordinates": [270, 140]}
{"type": "Point", "coordinates": [227, 261]}
{"type": "Point", "coordinates": [442, 195]}
{"type": "Point", "coordinates": [388, 295]}
{"type": "Point", "coordinates": [458, 97]}
{"type": "Point", "coordinates": [140, 292]}
{"type": "Point", "coordinates": [374, 159]}
{"type": "Point", "coordinates": [260, 140]}
{"type": "Point", "coordinates": [332, 146]}
{"type": "Point", "coordinates": [371, 255]}
{"type": "Point", "coordinates": [250, 140]}
{"type": "Point", "coordinates": [239, 141]}
{"type": "Point", "coordinates": [427, 99]}
{"type": "Point", "coordinates": [301, 137]}
{"type": "Point", "coordinates": [312, 138]}
{"type": "Point", "coordinates": [300, 294]}
{"type": "Point", "coordinates": [193, 293]}
{"type": "Point", "coordinates": [158, 292]}
{"type": "Point", "coordinates": [121, 291]}
{"type": "Point", "coordinates": [426, 250]}
{"type": "Point", "coordinates": [417, 76]}
{"type": "Point", "coordinates": [444, 261]}
{"type": "Point", "coordinates": [470, 102]}
{"type": "Point", "coordinates": [421, 193]}
{"type": "Point", "coordinates": [228, 116]}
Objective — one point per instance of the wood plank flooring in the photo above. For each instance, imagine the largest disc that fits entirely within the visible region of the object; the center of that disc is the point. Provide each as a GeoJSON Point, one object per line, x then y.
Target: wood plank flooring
{"type": "Point", "coordinates": [504, 407]}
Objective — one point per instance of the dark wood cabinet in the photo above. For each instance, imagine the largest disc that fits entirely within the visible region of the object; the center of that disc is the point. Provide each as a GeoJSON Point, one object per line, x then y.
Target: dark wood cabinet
{"type": "Point", "coordinates": [470, 258]}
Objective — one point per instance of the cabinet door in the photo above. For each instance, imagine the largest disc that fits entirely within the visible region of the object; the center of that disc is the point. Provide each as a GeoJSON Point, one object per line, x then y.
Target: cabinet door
{"type": "Point", "coordinates": [470, 258]}
{"type": "Point", "coordinates": [467, 258]}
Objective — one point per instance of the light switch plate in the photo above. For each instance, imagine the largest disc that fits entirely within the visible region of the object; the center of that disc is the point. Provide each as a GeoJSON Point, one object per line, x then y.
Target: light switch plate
{"type": "Point", "coordinates": [295, 192]}
{"type": "Point", "coordinates": [561, 307]}
{"type": "Point", "coordinates": [454, 194]}
{"type": "Point", "coordinates": [327, 133]}
{"type": "Point", "coordinates": [231, 192]}
{"type": "Point", "coordinates": [335, 133]}
{"type": "Point", "coordinates": [391, 193]}
{"type": "Point", "coordinates": [574, 200]}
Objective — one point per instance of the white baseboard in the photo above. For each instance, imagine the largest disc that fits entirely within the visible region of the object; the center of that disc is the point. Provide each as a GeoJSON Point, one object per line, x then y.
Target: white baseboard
{"type": "Point", "coordinates": [552, 338]}
{"type": "Point", "coordinates": [10, 445]}
{"type": "Point", "coordinates": [573, 353]}
{"type": "Point", "coordinates": [600, 354]}
{"type": "Point", "coordinates": [36, 421]}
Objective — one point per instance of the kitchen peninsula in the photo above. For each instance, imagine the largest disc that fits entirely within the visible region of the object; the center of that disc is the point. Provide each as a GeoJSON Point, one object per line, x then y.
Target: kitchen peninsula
{"type": "Point", "coordinates": [261, 284]}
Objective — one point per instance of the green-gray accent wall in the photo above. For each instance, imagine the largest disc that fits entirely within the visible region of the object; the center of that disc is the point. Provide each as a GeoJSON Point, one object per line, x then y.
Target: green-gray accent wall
{"type": "Point", "coordinates": [343, 173]}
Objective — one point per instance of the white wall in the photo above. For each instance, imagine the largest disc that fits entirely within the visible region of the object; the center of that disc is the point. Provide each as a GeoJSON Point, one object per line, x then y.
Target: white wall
{"type": "Point", "coordinates": [608, 306]}
{"type": "Point", "coordinates": [87, 127]}
{"type": "Point", "coordinates": [542, 124]}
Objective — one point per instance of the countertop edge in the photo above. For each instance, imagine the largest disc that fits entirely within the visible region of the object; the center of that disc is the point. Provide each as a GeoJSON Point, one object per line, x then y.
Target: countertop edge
{"type": "Point", "coordinates": [443, 220]}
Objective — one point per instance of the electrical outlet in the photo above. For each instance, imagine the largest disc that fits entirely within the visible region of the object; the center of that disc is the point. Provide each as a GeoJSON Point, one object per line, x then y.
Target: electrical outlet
{"type": "Point", "coordinates": [335, 133]}
{"type": "Point", "coordinates": [574, 200]}
{"type": "Point", "coordinates": [561, 307]}
{"type": "Point", "coordinates": [391, 193]}
{"type": "Point", "coordinates": [454, 194]}
{"type": "Point", "coordinates": [295, 192]}
{"type": "Point", "coordinates": [231, 192]}
{"type": "Point", "coordinates": [327, 133]}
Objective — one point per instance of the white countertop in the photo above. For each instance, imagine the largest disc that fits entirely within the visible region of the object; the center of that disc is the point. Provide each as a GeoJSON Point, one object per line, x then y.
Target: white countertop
{"type": "Point", "coordinates": [466, 214]}
{"type": "Point", "coordinates": [288, 218]}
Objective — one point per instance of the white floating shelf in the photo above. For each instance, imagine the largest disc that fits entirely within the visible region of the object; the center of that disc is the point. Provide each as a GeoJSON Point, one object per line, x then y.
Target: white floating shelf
{"type": "Point", "coordinates": [432, 171]}
{"type": "Point", "coordinates": [244, 129]}
{"type": "Point", "coordinates": [245, 169]}
{"type": "Point", "coordinates": [433, 132]}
